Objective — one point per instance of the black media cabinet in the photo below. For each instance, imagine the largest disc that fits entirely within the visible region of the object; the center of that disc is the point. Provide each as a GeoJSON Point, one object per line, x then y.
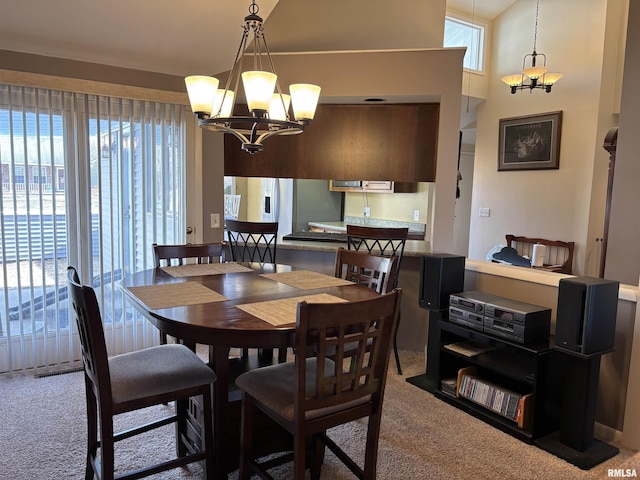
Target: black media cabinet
{"type": "Point", "coordinates": [524, 369]}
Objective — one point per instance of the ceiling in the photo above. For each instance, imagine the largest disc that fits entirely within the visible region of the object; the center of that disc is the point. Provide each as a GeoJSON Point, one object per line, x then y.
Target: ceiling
{"type": "Point", "coordinates": [180, 38]}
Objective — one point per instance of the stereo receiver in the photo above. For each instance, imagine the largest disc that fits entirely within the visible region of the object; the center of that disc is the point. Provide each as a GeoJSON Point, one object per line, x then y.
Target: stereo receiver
{"type": "Point", "coordinates": [516, 321]}
{"type": "Point", "coordinates": [467, 308]}
{"type": "Point", "coordinates": [471, 301]}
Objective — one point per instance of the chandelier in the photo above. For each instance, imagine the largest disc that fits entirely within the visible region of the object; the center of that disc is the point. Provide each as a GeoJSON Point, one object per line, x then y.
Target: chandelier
{"type": "Point", "coordinates": [268, 108]}
{"type": "Point", "coordinates": [534, 76]}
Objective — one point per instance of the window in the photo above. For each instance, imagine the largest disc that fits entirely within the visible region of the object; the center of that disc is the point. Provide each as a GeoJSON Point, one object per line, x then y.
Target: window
{"type": "Point", "coordinates": [42, 178]}
{"type": "Point", "coordinates": [462, 33]}
{"type": "Point", "coordinates": [18, 174]}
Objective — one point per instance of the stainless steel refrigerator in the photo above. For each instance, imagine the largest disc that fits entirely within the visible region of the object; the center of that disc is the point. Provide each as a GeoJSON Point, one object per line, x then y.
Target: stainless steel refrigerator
{"type": "Point", "coordinates": [295, 203]}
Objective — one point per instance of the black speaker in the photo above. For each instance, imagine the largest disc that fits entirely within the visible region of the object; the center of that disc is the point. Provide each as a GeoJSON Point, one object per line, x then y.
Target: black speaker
{"type": "Point", "coordinates": [586, 315]}
{"type": "Point", "coordinates": [441, 274]}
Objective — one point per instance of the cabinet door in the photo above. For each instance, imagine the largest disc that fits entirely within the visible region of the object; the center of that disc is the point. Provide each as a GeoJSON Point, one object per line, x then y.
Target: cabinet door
{"type": "Point", "coordinates": [377, 186]}
{"type": "Point", "coordinates": [384, 142]}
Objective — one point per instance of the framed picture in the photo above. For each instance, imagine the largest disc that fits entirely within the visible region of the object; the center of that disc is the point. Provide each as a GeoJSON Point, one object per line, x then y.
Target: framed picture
{"type": "Point", "coordinates": [530, 143]}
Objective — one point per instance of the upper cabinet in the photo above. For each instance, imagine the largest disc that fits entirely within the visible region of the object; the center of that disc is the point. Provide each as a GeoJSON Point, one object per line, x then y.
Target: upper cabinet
{"type": "Point", "coordinates": [387, 143]}
{"type": "Point", "coordinates": [372, 186]}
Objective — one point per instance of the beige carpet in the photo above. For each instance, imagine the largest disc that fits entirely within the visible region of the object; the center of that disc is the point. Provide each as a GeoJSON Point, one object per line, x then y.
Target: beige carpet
{"type": "Point", "coordinates": [43, 436]}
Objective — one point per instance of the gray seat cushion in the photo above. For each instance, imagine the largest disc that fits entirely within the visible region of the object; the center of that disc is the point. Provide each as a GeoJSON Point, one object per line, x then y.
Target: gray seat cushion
{"type": "Point", "coordinates": [155, 371]}
{"type": "Point", "coordinates": [274, 386]}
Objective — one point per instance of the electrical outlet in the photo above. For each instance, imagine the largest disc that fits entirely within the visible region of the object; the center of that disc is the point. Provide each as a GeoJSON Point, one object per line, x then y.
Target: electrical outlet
{"type": "Point", "coordinates": [485, 212]}
{"type": "Point", "coordinates": [215, 220]}
{"type": "Point", "coordinates": [367, 211]}
{"type": "Point", "coordinates": [416, 215]}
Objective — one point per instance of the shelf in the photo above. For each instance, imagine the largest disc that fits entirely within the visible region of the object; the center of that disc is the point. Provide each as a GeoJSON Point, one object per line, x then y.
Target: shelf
{"type": "Point", "coordinates": [514, 406]}
{"type": "Point", "coordinates": [487, 416]}
{"type": "Point", "coordinates": [518, 368]}
{"type": "Point", "coordinates": [522, 369]}
{"type": "Point", "coordinates": [477, 335]}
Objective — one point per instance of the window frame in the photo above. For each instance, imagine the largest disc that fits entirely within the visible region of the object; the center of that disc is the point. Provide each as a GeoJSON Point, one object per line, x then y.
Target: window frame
{"type": "Point", "coordinates": [475, 25]}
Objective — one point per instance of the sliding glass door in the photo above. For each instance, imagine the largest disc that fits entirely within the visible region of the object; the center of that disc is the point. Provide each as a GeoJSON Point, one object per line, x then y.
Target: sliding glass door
{"type": "Point", "coordinates": [87, 181]}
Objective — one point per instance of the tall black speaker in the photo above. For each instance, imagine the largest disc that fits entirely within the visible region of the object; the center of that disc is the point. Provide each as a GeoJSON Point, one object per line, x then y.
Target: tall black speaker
{"type": "Point", "coordinates": [586, 315]}
{"type": "Point", "coordinates": [441, 274]}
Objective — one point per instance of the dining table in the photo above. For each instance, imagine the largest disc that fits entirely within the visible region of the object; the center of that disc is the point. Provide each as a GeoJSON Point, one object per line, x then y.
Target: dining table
{"type": "Point", "coordinates": [233, 306]}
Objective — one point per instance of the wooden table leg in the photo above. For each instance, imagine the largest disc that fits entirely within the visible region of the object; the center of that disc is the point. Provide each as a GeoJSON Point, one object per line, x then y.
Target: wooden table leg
{"type": "Point", "coordinates": [219, 362]}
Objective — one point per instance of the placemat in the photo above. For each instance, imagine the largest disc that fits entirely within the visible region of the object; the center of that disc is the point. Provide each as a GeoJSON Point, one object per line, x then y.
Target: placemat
{"type": "Point", "coordinates": [283, 311]}
{"type": "Point", "coordinates": [175, 295]}
{"type": "Point", "coordinates": [306, 279]}
{"type": "Point", "coordinates": [194, 269]}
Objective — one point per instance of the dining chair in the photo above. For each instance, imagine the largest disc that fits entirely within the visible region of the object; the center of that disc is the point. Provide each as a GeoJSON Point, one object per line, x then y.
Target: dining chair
{"type": "Point", "coordinates": [366, 269]}
{"type": "Point", "coordinates": [252, 241]}
{"type": "Point", "coordinates": [385, 242]}
{"type": "Point", "coordinates": [315, 393]}
{"type": "Point", "coordinates": [173, 255]}
{"type": "Point", "coordinates": [131, 381]}
{"type": "Point", "coordinates": [170, 255]}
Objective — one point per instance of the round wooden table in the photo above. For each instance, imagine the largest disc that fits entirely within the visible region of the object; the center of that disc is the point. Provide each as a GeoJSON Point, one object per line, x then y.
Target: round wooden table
{"type": "Point", "coordinates": [220, 317]}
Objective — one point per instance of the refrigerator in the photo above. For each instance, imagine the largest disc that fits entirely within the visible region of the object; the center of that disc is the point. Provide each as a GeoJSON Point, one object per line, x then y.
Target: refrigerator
{"type": "Point", "coordinates": [293, 203]}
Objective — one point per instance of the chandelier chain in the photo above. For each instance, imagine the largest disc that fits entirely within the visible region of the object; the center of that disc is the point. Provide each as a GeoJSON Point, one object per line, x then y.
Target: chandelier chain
{"type": "Point", "coordinates": [535, 29]}
{"type": "Point", "coordinates": [253, 8]}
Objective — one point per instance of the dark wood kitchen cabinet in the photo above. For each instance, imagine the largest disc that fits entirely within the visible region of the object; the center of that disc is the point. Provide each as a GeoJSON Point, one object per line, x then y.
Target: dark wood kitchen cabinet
{"type": "Point", "coordinates": [378, 142]}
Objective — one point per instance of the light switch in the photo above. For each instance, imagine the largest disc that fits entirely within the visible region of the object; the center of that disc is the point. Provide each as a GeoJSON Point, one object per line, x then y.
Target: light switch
{"type": "Point", "coordinates": [215, 220]}
{"type": "Point", "coordinates": [485, 212]}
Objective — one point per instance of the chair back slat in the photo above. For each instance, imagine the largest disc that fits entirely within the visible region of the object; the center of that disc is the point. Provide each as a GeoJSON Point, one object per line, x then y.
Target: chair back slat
{"type": "Point", "coordinates": [169, 255]}
{"type": "Point", "coordinates": [252, 241]}
{"type": "Point", "coordinates": [351, 343]}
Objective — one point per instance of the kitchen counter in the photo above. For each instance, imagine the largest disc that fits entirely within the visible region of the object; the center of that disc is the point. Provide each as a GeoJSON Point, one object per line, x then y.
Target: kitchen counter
{"type": "Point", "coordinates": [415, 248]}
{"type": "Point", "coordinates": [416, 230]}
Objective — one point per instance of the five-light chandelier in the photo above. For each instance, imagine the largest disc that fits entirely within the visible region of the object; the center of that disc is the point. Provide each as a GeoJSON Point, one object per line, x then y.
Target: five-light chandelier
{"type": "Point", "coordinates": [534, 76]}
{"type": "Point", "coordinates": [268, 107]}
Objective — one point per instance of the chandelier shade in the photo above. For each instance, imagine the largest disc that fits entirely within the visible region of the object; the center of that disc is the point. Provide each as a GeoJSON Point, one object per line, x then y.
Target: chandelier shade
{"type": "Point", "coordinates": [534, 75]}
{"type": "Point", "coordinates": [304, 98]}
{"type": "Point", "coordinates": [268, 107]}
{"type": "Point", "coordinates": [202, 93]}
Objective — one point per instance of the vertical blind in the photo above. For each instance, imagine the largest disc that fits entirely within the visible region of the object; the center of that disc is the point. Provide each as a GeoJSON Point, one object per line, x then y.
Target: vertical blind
{"type": "Point", "coordinates": [89, 181]}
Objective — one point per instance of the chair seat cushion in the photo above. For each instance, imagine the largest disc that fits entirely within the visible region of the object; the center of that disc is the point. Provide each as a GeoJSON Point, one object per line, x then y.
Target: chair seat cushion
{"type": "Point", "coordinates": [274, 386]}
{"type": "Point", "coordinates": [155, 371]}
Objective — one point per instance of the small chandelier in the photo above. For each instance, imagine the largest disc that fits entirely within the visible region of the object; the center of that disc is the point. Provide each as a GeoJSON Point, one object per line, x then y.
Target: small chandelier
{"type": "Point", "coordinates": [536, 75]}
{"type": "Point", "coordinates": [268, 111]}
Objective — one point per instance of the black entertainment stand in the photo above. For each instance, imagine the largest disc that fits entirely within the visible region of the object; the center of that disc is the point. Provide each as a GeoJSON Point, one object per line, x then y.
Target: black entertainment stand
{"type": "Point", "coordinates": [518, 368]}
{"type": "Point", "coordinates": [562, 386]}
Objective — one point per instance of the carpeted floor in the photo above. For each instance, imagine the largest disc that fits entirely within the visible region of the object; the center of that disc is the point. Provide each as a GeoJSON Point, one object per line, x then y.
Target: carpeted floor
{"type": "Point", "coordinates": [43, 436]}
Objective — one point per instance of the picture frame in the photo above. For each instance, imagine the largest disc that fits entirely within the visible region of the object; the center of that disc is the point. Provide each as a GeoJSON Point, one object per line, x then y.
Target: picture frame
{"type": "Point", "coordinates": [530, 142]}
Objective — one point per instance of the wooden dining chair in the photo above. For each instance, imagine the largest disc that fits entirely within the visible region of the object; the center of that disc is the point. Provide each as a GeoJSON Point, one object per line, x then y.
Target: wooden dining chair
{"type": "Point", "coordinates": [252, 241]}
{"type": "Point", "coordinates": [315, 393]}
{"type": "Point", "coordinates": [384, 242]}
{"type": "Point", "coordinates": [174, 255]}
{"type": "Point", "coordinates": [131, 381]}
{"type": "Point", "coordinates": [170, 255]}
{"type": "Point", "coordinates": [366, 269]}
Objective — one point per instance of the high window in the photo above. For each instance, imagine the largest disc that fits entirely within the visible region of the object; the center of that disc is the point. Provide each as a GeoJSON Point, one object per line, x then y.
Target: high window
{"type": "Point", "coordinates": [459, 32]}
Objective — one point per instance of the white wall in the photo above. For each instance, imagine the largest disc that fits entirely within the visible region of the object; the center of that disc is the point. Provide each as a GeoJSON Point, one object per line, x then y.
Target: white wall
{"type": "Point", "coordinates": [553, 204]}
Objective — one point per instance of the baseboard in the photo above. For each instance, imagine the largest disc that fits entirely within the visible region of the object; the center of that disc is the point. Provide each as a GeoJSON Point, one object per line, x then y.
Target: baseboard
{"type": "Point", "coordinates": [606, 434]}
